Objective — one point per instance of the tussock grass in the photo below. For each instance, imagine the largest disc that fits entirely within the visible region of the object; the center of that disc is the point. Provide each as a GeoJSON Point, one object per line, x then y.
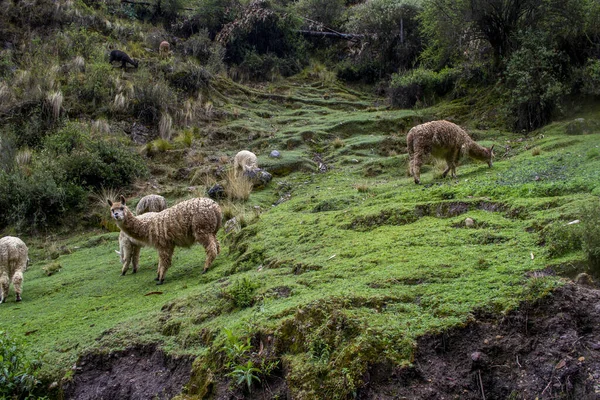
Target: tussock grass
{"type": "Point", "coordinates": [237, 187]}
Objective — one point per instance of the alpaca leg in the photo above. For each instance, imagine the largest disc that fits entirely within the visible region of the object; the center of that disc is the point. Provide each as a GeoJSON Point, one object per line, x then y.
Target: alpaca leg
{"type": "Point", "coordinates": [135, 257]}
{"type": "Point", "coordinates": [4, 282]}
{"type": "Point", "coordinates": [449, 164]}
{"type": "Point", "coordinates": [125, 258]}
{"type": "Point", "coordinates": [17, 282]}
{"type": "Point", "coordinates": [416, 168]}
{"type": "Point", "coordinates": [455, 161]}
{"type": "Point", "coordinates": [211, 247]}
{"type": "Point", "coordinates": [164, 262]}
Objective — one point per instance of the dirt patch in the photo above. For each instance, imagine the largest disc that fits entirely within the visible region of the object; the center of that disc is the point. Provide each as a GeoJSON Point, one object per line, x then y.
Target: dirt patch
{"type": "Point", "coordinates": [548, 350]}
{"type": "Point", "coordinates": [135, 373]}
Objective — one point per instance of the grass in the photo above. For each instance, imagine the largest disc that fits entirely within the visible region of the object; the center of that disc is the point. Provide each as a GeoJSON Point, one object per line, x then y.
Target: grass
{"type": "Point", "coordinates": [352, 267]}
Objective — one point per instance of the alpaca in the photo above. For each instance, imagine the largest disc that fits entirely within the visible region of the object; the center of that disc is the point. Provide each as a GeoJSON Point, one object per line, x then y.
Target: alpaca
{"type": "Point", "coordinates": [442, 139]}
{"type": "Point", "coordinates": [129, 249]}
{"type": "Point", "coordinates": [244, 161]}
{"type": "Point", "coordinates": [118, 55]}
{"type": "Point", "coordinates": [163, 49]}
{"type": "Point", "coordinates": [194, 220]}
{"type": "Point", "coordinates": [13, 262]}
{"type": "Point", "coordinates": [150, 203]}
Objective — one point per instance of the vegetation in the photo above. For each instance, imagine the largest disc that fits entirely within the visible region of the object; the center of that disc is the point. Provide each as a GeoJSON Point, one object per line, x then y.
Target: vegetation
{"type": "Point", "coordinates": [341, 261]}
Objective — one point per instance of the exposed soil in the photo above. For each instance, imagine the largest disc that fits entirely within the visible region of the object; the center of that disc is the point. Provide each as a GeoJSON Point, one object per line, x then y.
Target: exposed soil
{"type": "Point", "coordinates": [136, 373]}
{"type": "Point", "coordinates": [549, 349]}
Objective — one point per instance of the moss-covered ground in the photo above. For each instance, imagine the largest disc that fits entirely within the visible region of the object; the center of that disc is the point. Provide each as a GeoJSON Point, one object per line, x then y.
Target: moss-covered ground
{"type": "Point", "coordinates": [349, 270]}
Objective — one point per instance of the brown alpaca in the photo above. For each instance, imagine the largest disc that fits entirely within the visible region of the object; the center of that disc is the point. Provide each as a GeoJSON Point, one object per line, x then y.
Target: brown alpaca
{"type": "Point", "coordinates": [442, 139]}
{"type": "Point", "coordinates": [163, 48]}
{"type": "Point", "coordinates": [129, 249]}
{"type": "Point", "coordinates": [194, 220]}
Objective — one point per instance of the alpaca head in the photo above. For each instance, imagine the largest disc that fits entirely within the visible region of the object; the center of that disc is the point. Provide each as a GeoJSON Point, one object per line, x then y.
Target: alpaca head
{"type": "Point", "coordinates": [117, 209]}
{"type": "Point", "coordinates": [135, 62]}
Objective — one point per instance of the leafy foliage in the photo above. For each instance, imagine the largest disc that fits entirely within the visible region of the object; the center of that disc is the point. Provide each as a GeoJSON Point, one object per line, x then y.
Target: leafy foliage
{"type": "Point", "coordinates": [391, 28]}
{"type": "Point", "coordinates": [17, 373]}
{"type": "Point", "coordinates": [241, 292]}
{"type": "Point", "coordinates": [535, 77]}
{"type": "Point", "coordinates": [591, 234]}
{"type": "Point", "coordinates": [420, 85]}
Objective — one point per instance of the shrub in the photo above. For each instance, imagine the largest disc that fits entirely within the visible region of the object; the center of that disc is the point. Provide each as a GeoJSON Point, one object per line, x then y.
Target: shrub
{"type": "Point", "coordinates": [241, 292]}
{"type": "Point", "coordinates": [535, 77]}
{"type": "Point", "coordinates": [17, 380]}
{"type": "Point", "coordinates": [561, 239]}
{"type": "Point", "coordinates": [189, 78]}
{"type": "Point", "coordinates": [591, 78]}
{"type": "Point", "coordinates": [324, 12]}
{"type": "Point", "coordinates": [591, 235]}
{"type": "Point", "coordinates": [261, 38]}
{"type": "Point", "coordinates": [420, 85]}
{"type": "Point", "coordinates": [392, 30]}
{"type": "Point", "coordinates": [152, 98]}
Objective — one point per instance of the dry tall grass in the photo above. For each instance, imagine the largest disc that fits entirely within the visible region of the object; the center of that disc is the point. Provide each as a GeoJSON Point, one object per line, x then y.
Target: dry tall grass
{"type": "Point", "coordinates": [237, 187]}
{"type": "Point", "coordinates": [165, 126]}
{"type": "Point", "coordinates": [54, 101]}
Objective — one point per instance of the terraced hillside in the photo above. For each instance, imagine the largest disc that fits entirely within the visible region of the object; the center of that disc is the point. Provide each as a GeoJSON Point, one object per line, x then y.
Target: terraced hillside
{"type": "Point", "coordinates": [341, 264]}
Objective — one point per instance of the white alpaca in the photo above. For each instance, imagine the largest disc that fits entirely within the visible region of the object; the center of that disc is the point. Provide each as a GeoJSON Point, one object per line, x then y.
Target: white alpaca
{"type": "Point", "coordinates": [244, 161]}
{"type": "Point", "coordinates": [129, 249]}
{"type": "Point", "coordinates": [13, 262]}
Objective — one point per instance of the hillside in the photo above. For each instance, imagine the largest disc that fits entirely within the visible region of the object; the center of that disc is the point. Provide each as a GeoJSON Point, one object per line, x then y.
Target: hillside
{"type": "Point", "coordinates": [339, 279]}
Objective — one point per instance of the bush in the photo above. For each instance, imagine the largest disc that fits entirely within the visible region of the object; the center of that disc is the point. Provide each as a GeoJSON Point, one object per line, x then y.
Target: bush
{"type": "Point", "coordinates": [591, 235]}
{"type": "Point", "coordinates": [325, 12]}
{"type": "Point", "coordinates": [561, 239]}
{"type": "Point", "coordinates": [241, 292]}
{"type": "Point", "coordinates": [261, 38]}
{"type": "Point", "coordinates": [420, 85]}
{"type": "Point", "coordinates": [535, 77]}
{"type": "Point", "coordinates": [56, 182]}
{"type": "Point", "coordinates": [393, 40]}
{"type": "Point", "coordinates": [189, 78]}
{"type": "Point", "coordinates": [150, 99]}
{"type": "Point", "coordinates": [591, 78]}
{"type": "Point", "coordinates": [17, 380]}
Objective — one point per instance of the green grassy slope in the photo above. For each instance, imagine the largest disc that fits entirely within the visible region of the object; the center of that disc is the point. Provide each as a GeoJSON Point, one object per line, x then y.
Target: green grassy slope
{"type": "Point", "coordinates": [349, 271]}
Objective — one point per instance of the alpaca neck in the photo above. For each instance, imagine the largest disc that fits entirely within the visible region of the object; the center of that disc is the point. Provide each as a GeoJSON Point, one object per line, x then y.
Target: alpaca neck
{"type": "Point", "coordinates": [133, 227]}
{"type": "Point", "coordinates": [477, 152]}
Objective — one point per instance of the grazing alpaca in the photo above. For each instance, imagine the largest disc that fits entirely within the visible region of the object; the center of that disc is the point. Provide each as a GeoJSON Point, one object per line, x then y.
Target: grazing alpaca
{"type": "Point", "coordinates": [194, 220]}
{"type": "Point", "coordinates": [13, 262]}
{"type": "Point", "coordinates": [151, 203]}
{"type": "Point", "coordinates": [163, 49]}
{"type": "Point", "coordinates": [118, 55]}
{"type": "Point", "coordinates": [442, 139]}
{"type": "Point", "coordinates": [129, 249]}
{"type": "Point", "coordinates": [244, 161]}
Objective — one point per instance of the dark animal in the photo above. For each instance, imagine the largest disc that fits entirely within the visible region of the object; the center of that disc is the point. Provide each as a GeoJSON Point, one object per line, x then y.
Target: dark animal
{"type": "Point", "coordinates": [118, 55]}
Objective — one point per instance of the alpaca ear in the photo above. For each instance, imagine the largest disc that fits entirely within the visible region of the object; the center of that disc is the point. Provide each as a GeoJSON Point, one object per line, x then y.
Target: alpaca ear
{"type": "Point", "coordinates": [122, 200]}
{"type": "Point", "coordinates": [492, 148]}
{"type": "Point", "coordinates": [109, 202]}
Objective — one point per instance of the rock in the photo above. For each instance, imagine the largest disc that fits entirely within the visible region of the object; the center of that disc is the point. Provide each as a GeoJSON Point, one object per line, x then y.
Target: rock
{"type": "Point", "coordinates": [275, 154]}
{"type": "Point", "coordinates": [216, 192]}
{"type": "Point", "coordinates": [584, 279]}
{"type": "Point", "coordinates": [140, 134]}
{"type": "Point", "coordinates": [469, 223]}
{"type": "Point", "coordinates": [259, 177]}
{"type": "Point", "coordinates": [480, 360]}
{"type": "Point", "coordinates": [232, 226]}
